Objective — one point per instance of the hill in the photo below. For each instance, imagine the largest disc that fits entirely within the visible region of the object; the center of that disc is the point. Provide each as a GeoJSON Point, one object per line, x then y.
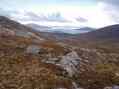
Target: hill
{"type": "Point", "coordinates": [23, 59]}
{"type": "Point", "coordinates": [56, 30]}
{"type": "Point", "coordinates": [106, 33]}
{"type": "Point", "coordinates": [38, 27]}
{"type": "Point", "coordinates": [30, 59]}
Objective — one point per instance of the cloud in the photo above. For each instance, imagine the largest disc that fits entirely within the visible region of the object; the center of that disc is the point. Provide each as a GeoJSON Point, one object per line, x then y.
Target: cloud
{"type": "Point", "coordinates": [56, 17]}
{"type": "Point", "coordinates": [81, 19]}
{"type": "Point", "coordinates": [4, 12]}
{"type": "Point", "coordinates": [31, 16]}
{"type": "Point", "coordinates": [110, 7]}
{"type": "Point", "coordinates": [112, 2]}
{"type": "Point", "coordinates": [103, 14]}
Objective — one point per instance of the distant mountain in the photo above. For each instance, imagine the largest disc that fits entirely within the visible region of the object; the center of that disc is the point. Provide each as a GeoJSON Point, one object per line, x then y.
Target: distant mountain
{"type": "Point", "coordinates": [104, 38]}
{"type": "Point", "coordinates": [86, 29]}
{"type": "Point", "coordinates": [106, 33]}
{"type": "Point", "coordinates": [38, 27]}
{"type": "Point", "coordinates": [61, 30]}
{"type": "Point", "coordinates": [73, 31]}
{"type": "Point", "coordinates": [10, 27]}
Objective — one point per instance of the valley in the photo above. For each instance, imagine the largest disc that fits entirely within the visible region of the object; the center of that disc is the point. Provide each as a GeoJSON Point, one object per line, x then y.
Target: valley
{"type": "Point", "coordinates": [31, 59]}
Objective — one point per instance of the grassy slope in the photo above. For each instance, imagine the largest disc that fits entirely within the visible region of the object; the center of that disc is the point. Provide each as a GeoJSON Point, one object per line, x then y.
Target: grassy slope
{"type": "Point", "coordinates": [25, 71]}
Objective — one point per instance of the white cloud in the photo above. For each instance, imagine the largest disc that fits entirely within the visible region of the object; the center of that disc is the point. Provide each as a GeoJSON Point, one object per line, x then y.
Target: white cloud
{"type": "Point", "coordinates": [111, 8]}
{"type": "Point", "coordinates": [100, 15]}
{"type": "Point", "coordinates": [94, 15]}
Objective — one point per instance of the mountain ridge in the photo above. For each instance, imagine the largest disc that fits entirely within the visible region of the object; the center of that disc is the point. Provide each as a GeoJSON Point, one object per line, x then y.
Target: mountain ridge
{"type": "Point", "coordinates": [109, 32]}
{"type": "Point", "coordinates": [60, 29]}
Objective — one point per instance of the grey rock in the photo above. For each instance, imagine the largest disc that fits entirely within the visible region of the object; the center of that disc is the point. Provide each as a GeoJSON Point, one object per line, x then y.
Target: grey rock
{"type": "Point", "coordinates": [33, 49]}
{"type": "Point", "coordinates": [70, 62]}
{"type": "Point", "coordinates": [115, 87]}
{"type": "Point", "coordinates": [7, 32]}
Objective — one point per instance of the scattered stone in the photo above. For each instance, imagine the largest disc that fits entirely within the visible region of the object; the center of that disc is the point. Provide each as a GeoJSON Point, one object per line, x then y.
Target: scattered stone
{"type": "Point", "coordinates": [33, 49]}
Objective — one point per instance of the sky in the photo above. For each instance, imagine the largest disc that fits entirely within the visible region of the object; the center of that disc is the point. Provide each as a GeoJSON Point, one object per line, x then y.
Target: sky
{"type": "Point", "coordinates": [64, 13]}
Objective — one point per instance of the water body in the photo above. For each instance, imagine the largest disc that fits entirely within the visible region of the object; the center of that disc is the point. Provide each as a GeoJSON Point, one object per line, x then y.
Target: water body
{"type": "Point", "coordinates": [68, 31]}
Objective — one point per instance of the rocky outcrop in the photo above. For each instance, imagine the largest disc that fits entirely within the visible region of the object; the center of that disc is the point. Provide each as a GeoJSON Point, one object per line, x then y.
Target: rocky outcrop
{"type": "Point", "coordinates": [33, 49]}
{"type": "Point", "coordinates": [6, 32]}
{"type": "Point", "coordinates": [70, 62]}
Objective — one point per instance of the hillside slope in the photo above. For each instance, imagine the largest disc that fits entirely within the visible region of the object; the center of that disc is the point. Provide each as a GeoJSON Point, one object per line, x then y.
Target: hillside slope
{"type": "Point", "coordinates": [22, 59]}
{"type": "Point", "coordinates": [30, 60]}
{"type": "Point", "coordinates": [106, 33]}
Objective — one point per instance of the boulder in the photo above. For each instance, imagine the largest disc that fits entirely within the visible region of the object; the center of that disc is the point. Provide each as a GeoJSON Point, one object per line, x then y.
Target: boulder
{"type": "Point", "coordinates": [33, 49]}
{"type": "Point", "coordinates": [70, 62]}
